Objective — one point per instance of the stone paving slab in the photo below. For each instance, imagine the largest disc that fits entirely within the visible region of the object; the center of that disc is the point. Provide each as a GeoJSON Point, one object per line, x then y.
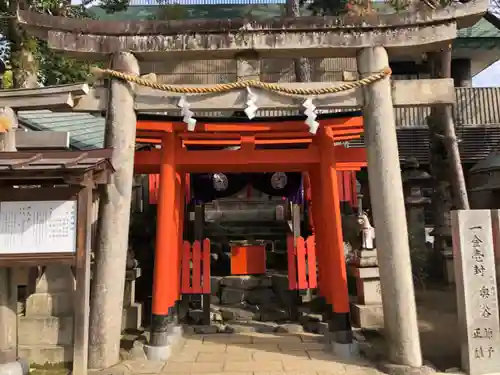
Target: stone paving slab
{"type": "Point", "coordinates": [250, 354]}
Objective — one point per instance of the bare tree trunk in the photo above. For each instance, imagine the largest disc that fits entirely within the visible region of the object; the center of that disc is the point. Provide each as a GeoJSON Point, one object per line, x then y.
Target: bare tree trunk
{"type": "Point", "coordinates": [443, 116]}
{"type": "Point", "coordinates": [24, 65]}
{"type": "Point", "coordinates": [449, 188]}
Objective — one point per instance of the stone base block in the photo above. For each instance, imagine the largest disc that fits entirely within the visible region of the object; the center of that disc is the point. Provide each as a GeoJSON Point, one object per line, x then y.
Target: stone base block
{"type": "Point", "coordinates": [49, 304]}
{"type": "Point", "coordinates": [367, 316]}
{"type": "Point", "coordinates": [46, 331]}
{"type": "Point", "coordinates": [132, 317]}
{"type": "Point", "coordinates": [337, 344]}
{"type": "Point", "coordinates": [347, 351]}
{"type": "Point", "coordinates": [163, 353]}
{"type": "Point", "coordinates": [43, 355]}
{"type": "Point", "coordinates": [158, 353]}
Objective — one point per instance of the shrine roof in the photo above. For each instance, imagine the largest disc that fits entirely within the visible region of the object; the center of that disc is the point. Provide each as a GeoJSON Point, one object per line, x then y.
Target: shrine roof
{"type": "Point", "coordinates": [490, 163]}
{"type": "Point", "coordinates": [36, 165]}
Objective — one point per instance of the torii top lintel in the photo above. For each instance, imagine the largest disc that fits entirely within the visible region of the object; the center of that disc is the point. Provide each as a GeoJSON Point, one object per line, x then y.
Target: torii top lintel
{"type": "Point", "coordinates": [402, 32]}
{"type": "Point", "coordinates": [261, 144]}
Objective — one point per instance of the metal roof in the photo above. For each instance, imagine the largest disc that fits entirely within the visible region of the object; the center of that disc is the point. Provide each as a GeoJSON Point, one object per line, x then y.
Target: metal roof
{"type": "Point", "coordinates": [86, 130]}
{"type": "Point", "coordinates": [475, 143]}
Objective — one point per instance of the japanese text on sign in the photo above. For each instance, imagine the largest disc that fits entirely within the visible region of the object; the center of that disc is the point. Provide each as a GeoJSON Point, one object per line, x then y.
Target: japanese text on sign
{"type": "Point", "coordinates": [477, 300]}
{"type": "Point", "coordinates": [486, 292]}
{"type": "Point", "coordinates": [31, 227]}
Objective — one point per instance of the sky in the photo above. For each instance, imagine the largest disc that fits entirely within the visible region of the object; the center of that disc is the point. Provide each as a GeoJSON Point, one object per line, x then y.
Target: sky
{"type": "Point", "coordinates": [490, 77]}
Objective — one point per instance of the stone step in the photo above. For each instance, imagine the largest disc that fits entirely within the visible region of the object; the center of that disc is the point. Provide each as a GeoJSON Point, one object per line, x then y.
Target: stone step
{"type": "Point", "coordinates": [47, 355]}
{"type": "Point", "coordinates": [42, 330]}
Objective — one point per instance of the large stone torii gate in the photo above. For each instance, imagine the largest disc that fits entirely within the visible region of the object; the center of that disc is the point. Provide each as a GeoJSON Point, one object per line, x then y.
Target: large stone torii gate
{"type": "Point", "coordinates": [403, 35]}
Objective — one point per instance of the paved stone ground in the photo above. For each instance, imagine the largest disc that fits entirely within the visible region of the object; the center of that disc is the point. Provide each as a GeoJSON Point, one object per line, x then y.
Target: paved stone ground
{"type": "Point", "coordinates": [251, 354]}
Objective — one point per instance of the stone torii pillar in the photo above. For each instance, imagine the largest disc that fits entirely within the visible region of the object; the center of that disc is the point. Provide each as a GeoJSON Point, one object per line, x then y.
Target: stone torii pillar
{"type": "Point", "coordinates": [114, 217]}
{"type": "Point", "coordinates": [386, 190]}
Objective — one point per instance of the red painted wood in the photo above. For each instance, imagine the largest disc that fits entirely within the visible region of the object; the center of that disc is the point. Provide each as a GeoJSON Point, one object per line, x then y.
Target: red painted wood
{"type": "Point", "coordinates": [341, 185]}
{"type": "Point", "coordinates": [301, 263]}
{"type": "Point", "coordinates": [206, 266]}
{"type": "Point", "coordinates": [196, 279]}
{"type": "Point", "coordinates": [188, 188]}
{"type": "Point", "coordinates": [154, 183]}
{"type": "Point", "coordinates": [186, 269]}
{"type": "Point", "coordinates": [311, 262]}
{"type": "Point", "coordinates": [292, 269]}
{"type": "Point", "coordinates": [346, 185]}
{"type": "Point", "coordinates": [354, 191]}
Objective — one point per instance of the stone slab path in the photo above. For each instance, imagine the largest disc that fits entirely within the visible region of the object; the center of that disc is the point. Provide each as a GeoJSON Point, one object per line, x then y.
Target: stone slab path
{"type": "Point", "coordinates": [251, 354]}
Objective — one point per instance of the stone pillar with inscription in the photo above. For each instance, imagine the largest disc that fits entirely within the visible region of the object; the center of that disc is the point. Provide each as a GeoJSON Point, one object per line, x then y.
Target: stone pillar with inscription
{"type": "Point", "coordinates": [477, 300]}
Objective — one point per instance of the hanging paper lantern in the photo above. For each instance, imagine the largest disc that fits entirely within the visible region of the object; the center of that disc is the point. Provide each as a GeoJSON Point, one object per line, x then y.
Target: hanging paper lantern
{"type": "Point", "coordinates": [277, 184]}
{"type": "Point", "coordinates": [220, 182]}
{"type": "Point", "coordinates": [279, 180]}
{"type": "Point", "coordinates": [207, 187]}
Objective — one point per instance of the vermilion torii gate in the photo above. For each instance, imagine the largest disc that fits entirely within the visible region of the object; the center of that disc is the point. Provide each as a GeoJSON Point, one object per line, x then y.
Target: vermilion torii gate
{"type": "Point", "coordinates": [265, 145]}
{"type": "Point", "coordinates": [373, 40]}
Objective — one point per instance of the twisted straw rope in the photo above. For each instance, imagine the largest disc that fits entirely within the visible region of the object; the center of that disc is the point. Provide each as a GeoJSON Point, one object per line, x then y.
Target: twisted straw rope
{"type": "Point", "coordinates": [224, 87]}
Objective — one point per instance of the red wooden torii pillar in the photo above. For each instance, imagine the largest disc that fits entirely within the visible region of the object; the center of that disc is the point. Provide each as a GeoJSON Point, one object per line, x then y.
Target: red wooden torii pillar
{"type": "Point", "coordinates": [319, 157]}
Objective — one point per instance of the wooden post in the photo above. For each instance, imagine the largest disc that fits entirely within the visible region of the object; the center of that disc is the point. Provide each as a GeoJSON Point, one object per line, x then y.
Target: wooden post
{"type": "Point", "coordinates": [339, 325]}
{"type": "Point", "coordinates": [319, 234]}
{"type": "Point", "coordinates": [108, 280]}
{"type": "Point", "coordinates": [8, 290]}
{"type": "Point", "coordinates": [199, 233]}
{"type": "Point", "coordinates": [386, 191]}
{"type": "Point", "coordinates": [166, 266]}
{"type": "Point", "coordinates": [296, 296]}
{"type": "Point", "coordinates": [82, 276]}
{"type": "Point", "coordinates": [180, 193]}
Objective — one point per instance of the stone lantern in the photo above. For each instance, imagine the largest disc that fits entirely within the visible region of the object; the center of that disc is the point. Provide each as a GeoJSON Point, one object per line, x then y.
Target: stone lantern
{"type": "Point", "coordinates": [414, 180]}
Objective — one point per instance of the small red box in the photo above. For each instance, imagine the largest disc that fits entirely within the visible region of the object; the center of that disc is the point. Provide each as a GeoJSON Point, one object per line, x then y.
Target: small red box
{"type": "Point", "coordinates": [248, 260]}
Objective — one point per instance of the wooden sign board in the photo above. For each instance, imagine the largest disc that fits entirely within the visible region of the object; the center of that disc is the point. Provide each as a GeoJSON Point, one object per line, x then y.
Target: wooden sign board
{"type": "Point", "coordinates": [38, 226]}
{"type": "Point", "coordinates": [31, 227]}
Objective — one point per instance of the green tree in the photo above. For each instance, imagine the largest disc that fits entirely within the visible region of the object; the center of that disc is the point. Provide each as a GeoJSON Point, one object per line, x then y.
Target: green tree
{"type": "Point", "coordinates": [167, 11]}
{"type": "Point", "coordinates": [325, 7]}
{"type": "Point", "coordinates": [31, 61]}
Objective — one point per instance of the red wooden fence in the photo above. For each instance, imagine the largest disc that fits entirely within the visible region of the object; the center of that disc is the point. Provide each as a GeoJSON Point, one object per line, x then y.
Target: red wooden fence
{"type": "Point", "coordinates": [195, 267]}
{"type": "Point", "coordinates": [301, 263]}
{"type": "Point", "coordinates": [347, 187]}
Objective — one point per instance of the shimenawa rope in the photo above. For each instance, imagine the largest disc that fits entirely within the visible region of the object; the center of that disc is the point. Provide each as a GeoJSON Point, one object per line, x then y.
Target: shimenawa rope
{"type": "Point", "coordinates": [224, 87]}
